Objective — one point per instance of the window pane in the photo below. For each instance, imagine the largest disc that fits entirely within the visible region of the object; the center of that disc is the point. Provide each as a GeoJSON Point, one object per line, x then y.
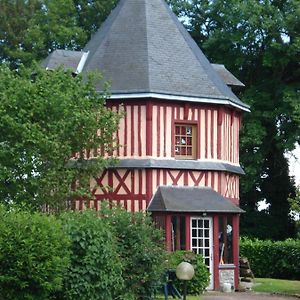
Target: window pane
{"type": "Point", "coordinates": [225, 239]}
{"type": "Point", "coordinates": [207, 243]}
{"type": "Point", "coordinates": [185, 141]}
{"type": "Point", "coordinates": [182, 233]}
{"type": "Point", "coordinates": [200, 242]}
{"type": "Point", "coordinates": [178, 233]}
{"type": "Point", "coordinates": [206, 252]}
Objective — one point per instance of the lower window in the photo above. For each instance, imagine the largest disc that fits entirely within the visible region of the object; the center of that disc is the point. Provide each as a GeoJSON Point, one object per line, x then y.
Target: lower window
{"type": "Point", "coordinates": [178, 233]}
{"type": "Point", "coordinates": [225, 240]}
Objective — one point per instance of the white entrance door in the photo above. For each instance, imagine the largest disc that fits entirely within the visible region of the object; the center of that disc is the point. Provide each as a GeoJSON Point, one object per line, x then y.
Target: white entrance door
{"type": "Point", "coordinates": [202, 241]}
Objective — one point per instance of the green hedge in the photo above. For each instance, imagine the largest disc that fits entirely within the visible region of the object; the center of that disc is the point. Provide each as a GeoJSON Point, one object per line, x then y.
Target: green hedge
{"type": "Point", "coordinates": [272, 259]}
{"type": "Point", "coordinates": [79, 255]}
{"type": "Point", "coordinates": [142, 251]}
{"type": "Point", "coordinates": [200, 280]}
{"type": "Point", "coordinates": [96, 271]}
{"type": "Point", "coordinates": [33, 255]}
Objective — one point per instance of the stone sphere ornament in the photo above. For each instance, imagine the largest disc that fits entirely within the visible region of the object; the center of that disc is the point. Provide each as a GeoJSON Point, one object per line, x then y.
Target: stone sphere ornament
{"type": "Point", "coordinates": [185, 271]}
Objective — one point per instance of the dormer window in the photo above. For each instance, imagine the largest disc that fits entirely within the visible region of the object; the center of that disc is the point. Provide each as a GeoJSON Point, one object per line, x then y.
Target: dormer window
{"type": "Point", "coordinates": [185, 141]}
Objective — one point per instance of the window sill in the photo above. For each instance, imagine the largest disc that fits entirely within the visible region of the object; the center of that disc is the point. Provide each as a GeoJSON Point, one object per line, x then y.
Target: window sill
{"type": "Point", "coordinates": [185, 158]}
{"type": "Point", "coordinates": [227, 266]}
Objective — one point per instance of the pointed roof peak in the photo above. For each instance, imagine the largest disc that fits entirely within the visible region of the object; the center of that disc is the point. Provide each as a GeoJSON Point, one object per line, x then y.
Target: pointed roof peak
{"type": "Point", "coordinates": [144, 51]}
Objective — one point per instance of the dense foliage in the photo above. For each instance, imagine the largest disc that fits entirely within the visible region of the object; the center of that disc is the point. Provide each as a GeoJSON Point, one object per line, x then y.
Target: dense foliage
{"type": "Point", "coordinates": [30, 30]}
{"type": "Point", "coordinates": [79, 255]}
{"type": "Point", "coordinates": [34, 255]}
{"type": "Point", "coordinates": [45, 117]}
{"type": "Point", "coordinates": [201, 278]}
{"type": "Point", "coordinates": [272, 259]}
{"type": "Point", "coordinates": [259, 42]}
{"type": "Point", "coordinates": [141, 248]}
{"type": "Point", "coordinates": [96, 270]}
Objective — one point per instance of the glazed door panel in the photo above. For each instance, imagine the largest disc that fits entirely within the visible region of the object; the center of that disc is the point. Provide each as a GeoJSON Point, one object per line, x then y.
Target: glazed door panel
{"type": "Point", "coordinates": [202, 242]}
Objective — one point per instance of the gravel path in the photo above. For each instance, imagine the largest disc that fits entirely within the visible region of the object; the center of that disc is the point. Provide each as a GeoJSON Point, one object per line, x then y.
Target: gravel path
{"type": "Point", "coordinates": [244, 296]}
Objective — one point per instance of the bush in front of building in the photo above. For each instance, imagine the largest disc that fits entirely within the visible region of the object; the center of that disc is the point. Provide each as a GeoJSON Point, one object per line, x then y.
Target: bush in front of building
{"type": "Point", "coordinates": [271, 259]}
{"type": "Point", "coordinates": [141, 247]}
{"type": "Point", "coordinates": [34, 254]}
{"type": "Point", "coordinates": [200, 280]}
{"type": "Point", "coordinates": [96, 270]}
{"type": "Point", "coordinates": [112, 254]}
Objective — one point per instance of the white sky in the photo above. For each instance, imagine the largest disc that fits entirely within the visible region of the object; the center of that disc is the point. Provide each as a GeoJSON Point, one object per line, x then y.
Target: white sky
{"type": "Point", "coordinates": [294, 160]}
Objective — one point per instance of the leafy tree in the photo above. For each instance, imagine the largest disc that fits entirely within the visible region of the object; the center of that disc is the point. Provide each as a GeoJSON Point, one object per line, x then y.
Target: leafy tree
{"type": "Point", "coordinates": [44, 119]}
{"type": "Point", "coordinates": [259, 42]}
{"type": "Point", "coordinates": [30, 30]}
{"type": "Point", "coordinates": [91, 13]}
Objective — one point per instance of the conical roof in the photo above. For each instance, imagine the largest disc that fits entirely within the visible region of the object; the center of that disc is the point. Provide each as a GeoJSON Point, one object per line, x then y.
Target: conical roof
{"type": "Point", "coordinates": [142, 49]}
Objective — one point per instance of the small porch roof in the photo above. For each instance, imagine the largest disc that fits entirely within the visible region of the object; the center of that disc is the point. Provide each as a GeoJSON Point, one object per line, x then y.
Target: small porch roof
{"type": "Point", "coordinates": [190, 199]}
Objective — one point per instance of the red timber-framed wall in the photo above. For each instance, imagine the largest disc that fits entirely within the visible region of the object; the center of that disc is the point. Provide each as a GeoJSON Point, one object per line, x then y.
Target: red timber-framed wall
{"type": "Point", "coordinates": [147, 132]}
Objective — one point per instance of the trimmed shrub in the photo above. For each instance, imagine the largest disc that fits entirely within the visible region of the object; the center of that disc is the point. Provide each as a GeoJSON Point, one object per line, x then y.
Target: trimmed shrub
{"type": "Point", "coordinates": [200, 280]}
{"type": "Point", "coordinates": [272, 259]}
{"type": "Point", "coordinates": [33, 255]}
{"type": "Point", "coordinates": [96, 271]}
{"type": "Point", "coordinates": [141, 247]}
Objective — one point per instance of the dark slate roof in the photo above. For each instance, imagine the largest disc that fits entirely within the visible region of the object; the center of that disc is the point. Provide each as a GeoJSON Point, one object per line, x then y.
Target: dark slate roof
{"type": "Point", "coordinates": [178, 165]}
{"type": "Point", "coordinates": [227, 76]}
{"type": "Point", "coordinates": [68, 59]}
{"type": "Point", "coordinates": [190, 199]}
{"type": "Point", "coordinates": [142, 48]}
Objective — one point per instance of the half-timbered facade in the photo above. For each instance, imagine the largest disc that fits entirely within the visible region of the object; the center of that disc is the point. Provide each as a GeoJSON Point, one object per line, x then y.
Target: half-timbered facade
{"type": "Point", "coordinates": [179, 138]}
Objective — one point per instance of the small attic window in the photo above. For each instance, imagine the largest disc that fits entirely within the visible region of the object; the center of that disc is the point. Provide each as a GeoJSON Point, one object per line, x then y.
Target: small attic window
{"type": "Point", "coordinates": [185, 141]}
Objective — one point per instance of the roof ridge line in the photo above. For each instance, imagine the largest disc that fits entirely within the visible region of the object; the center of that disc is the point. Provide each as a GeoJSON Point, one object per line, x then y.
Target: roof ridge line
{"type": "Point", "coordinates": [108, 22]}
{"type": "Point", "coordinates": [147, 46]}
{"type": "Point", "coordinates": [191, 42]}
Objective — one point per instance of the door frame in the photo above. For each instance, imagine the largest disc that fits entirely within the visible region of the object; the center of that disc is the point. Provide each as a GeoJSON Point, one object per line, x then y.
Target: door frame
{"type": "Point", "coordinates": [211, 247]}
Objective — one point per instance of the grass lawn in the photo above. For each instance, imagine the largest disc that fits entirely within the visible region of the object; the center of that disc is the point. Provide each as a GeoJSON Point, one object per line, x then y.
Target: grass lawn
{"type": "Point", "coordinates": [268, 285]}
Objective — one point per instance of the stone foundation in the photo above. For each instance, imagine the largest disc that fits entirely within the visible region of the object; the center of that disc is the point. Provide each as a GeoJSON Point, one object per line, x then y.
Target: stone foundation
{"type": "Point", "coordinates": [226, 276]}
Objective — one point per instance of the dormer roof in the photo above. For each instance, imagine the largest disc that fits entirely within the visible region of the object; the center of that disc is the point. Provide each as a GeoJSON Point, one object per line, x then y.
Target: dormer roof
{"type": "Point", "coordinates": [227, 76]}
{"type": "Point", "coordinates": [69, 60]}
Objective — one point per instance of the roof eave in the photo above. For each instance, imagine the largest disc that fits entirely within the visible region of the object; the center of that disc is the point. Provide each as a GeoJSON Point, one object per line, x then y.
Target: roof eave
{"type": "Point", "coordinates": [238, 211]}
{"type": "Point", "coordinates": [220, 101]}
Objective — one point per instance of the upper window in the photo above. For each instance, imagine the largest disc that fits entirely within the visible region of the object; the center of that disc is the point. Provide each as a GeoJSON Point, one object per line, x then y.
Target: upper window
{"type": "Point", "coordinates": [185, 141]}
